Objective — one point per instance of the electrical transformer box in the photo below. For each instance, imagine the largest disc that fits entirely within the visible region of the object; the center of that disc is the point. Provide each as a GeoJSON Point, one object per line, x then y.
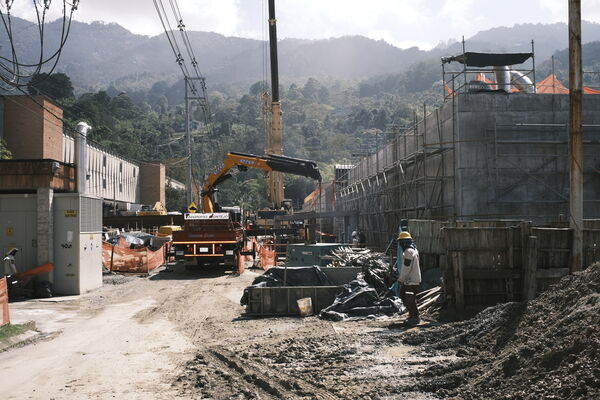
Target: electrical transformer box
{"type": "Point", "coordinates": [299, 254]}
{"type": "Point", "coordinates": [77, 243]}
{"type": "Point", "coordinates": [18, 218]}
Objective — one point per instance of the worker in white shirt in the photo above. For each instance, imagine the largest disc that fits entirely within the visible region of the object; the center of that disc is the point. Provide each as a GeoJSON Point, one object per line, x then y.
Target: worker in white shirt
{"type": "Point", "coordinates": [410, 277]}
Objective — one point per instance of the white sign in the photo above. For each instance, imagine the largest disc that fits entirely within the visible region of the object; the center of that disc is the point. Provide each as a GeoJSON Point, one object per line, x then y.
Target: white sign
{"type": "Point", "coordinates": [207, 216]}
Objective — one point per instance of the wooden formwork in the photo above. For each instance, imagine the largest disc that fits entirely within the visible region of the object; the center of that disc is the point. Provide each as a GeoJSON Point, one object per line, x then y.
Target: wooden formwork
{"type": "Point", "coordinates": [491, 264]}
{"type": "Point", "coordinates": [428, 237]}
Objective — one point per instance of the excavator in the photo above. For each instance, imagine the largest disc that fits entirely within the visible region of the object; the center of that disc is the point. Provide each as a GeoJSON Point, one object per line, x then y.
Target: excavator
{"type": "Point", "coordinates": [216, 235]}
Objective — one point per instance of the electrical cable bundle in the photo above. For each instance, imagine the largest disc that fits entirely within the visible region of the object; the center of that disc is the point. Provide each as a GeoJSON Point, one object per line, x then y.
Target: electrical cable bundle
{"type": "Point", "coordinates": [15, 73]}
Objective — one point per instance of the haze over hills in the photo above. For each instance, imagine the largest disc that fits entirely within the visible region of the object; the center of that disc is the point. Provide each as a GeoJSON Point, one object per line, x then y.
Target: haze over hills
{"type": "Point", "coordinates": [99, 54]}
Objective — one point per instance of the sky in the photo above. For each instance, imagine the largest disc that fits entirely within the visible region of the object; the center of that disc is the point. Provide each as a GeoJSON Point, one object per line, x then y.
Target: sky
{"type": "Point", "coordinates": [402, 23]}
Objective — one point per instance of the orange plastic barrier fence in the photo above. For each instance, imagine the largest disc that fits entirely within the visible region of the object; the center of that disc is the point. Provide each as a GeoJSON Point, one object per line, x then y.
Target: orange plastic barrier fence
{"type": "Point", "coordinates": [42, 269]}
{"type": "Point", "coordinates": [267, 257]}
{"type": "Point", "coordinates": [4, 317]}
{"type": "Point", "coordinates": [121, 258]}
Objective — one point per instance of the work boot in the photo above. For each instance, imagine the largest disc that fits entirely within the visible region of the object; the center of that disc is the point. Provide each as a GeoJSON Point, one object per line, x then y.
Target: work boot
{"type": "Point", "coordinates": [412, 321]}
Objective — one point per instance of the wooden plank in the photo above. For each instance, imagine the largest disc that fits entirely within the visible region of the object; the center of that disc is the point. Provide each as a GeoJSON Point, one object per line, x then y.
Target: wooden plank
{"type": "Point", "coordinates": [525, 228]}
{"type": "Point", "coordinates": [473, 239]}
{"type": "Point", "coordinates": [530, 268]}
{"type": "Point", "coordinates": [509, 283]}
{"type": "Point", "coordinates": [511, 248]}
{"type": "Point", "coordinates": [551, 273]}
{"type": "Point", "coordinates": [483, 274]}
{"type": "Point", "coordinates": [459, 295]}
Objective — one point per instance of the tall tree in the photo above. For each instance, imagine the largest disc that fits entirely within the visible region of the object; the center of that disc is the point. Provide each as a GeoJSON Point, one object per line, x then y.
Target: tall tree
{"type": "Point", "coordinates": [56, 86]}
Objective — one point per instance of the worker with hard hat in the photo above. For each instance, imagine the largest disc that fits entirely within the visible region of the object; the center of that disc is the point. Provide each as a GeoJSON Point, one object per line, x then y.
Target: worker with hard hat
{"type": "Point", "coordinates": [410, 276]}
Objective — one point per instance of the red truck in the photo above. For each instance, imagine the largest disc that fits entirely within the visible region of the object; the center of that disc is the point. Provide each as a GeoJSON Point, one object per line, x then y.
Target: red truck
{"type": "Point", "coordinates": [209, 238]}
{"type": "Point", "coordinates": [216, 236]}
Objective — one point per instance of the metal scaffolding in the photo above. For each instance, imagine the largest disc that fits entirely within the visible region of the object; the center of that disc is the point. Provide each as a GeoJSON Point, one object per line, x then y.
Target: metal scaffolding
{"type": "Point", "coordinates": [407, 178]}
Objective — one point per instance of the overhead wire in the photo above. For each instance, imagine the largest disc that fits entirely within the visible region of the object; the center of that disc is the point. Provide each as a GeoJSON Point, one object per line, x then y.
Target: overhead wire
{"type": "Point", "coordinates": [18, 71]}
{"type": "Point", "coordinates": [189, 79]}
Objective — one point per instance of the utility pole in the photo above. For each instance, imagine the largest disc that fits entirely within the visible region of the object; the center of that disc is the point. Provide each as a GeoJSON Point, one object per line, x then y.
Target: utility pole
{"type": "Point", "coordinates": [575, 134]}
{"type": "Point", "coordinates": [194, 95]}
{"type": "Point", "coordinates": [189, 185]}
{"type": "Point", "coordinates": [274, 141]}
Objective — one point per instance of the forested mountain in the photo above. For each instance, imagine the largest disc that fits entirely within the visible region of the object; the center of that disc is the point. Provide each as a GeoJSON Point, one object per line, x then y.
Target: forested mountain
{"type": "Point", "coordinates": [99, 54]}
{"type": "Point", "coordinates": [341, 98]}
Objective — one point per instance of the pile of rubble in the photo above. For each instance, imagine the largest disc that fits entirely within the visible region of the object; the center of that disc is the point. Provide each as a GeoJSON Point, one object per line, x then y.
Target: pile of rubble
{"type": "Point", "coordinates": [546, 348]}
{"type": "Point", "coordinates": [369, 295]}
{"type": "Point", "coordinates": [376, 270]}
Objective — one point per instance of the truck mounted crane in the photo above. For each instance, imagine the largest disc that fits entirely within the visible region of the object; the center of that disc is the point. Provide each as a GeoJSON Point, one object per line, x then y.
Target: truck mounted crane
{"type": "Point", "coordinates": [216, 235]}
{"type": "Point", "coordinates": [268, 163]}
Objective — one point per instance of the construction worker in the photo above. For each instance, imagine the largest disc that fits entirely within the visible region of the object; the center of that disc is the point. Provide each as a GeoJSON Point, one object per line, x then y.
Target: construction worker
{"type": "Point", "coordinates": [362, 239]}
{"type": "Point", "coordinates": [410, 276]}
{"type": "Point", "coordinates": [354, 238]}
{"type": "Point", "coordinates": [9, 263]}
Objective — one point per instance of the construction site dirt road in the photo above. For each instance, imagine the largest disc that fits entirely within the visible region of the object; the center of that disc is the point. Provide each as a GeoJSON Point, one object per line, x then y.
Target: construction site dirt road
{"type": "Point", "coordinates": [185, 336]}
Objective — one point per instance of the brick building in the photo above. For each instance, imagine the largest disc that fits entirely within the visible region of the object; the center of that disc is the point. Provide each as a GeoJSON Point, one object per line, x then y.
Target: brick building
{"type": "Point", "coordinates": [32, 128]}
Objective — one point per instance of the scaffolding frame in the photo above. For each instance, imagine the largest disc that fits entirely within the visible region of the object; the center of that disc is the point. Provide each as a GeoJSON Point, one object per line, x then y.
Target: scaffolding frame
{"type": "Point", "coordinates": [456, 81]}
{"type": "Point", "coordinates": [404, 179]}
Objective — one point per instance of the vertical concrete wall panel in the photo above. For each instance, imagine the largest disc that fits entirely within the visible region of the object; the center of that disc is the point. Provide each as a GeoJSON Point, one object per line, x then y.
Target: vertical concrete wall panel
{"type": "Point", "coordinates": [45, 227]}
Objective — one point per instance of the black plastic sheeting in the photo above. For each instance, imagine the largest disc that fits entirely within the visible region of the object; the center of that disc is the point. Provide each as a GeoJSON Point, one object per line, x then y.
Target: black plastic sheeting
{"type": "Point", "coordinates": [359, 300]}
{"type": "Point", "coordinates": [365, 297]}
{"type": "Point", "coordinates": [472, 59]}
{"type": "Point", "coordinates": [294, 276]}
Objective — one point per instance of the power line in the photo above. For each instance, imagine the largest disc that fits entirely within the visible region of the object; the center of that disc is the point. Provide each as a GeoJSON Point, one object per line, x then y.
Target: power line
{"type": "Point", "coordinates": [13, 72]}
{"type": "Point", "coordinates": [190, 80]}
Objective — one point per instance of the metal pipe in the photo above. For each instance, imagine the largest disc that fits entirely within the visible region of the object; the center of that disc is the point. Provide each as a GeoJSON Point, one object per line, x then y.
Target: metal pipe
{"type": "Point", "coordinates": [465, 87]}
{"type": "Point", "coordinates": [533, 66]}
{"type": "Point", "coordinates": [82, 129]}
{"type": "Point", "coordinates": [575, 134]}
{"type": "Point", "coordinates": [273, 48]}
{"type": "Point", "coordinates": [274, 140]}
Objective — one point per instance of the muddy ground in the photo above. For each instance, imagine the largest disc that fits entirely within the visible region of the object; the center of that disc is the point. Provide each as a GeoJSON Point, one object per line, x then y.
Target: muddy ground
{"type": "Point", "coordinates": [185, 336]}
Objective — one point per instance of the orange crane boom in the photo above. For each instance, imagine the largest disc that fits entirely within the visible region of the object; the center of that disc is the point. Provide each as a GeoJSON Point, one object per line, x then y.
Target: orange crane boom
{"type": "Point", "coordinates": [267, 163]}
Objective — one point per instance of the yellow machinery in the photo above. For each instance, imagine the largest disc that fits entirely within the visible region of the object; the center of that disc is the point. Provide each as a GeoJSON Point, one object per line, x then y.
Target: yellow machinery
{"type": "Point", "coordinates": [158, 209]}
{"type": "Point", "coordinates": [267, 163]}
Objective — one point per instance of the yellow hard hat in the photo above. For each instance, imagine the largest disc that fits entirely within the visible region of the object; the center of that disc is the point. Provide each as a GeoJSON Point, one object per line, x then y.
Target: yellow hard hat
{"type": "Point", "coordinates": [404, 235]}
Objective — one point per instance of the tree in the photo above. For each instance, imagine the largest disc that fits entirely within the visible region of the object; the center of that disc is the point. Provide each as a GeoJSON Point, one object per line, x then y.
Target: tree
{"type": "Point", "coordinates": [56, 86]}
{"type": "Point", "coordinates": [175, 199]}
{"type": "Point", "coordinates": [259, 88]}
{"type": "Point", "coordinates": [5, 153]}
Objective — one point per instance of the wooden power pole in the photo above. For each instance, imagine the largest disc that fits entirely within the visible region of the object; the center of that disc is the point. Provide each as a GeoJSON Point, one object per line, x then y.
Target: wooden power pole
{"type": "Point", "coordinates": [575, 134]}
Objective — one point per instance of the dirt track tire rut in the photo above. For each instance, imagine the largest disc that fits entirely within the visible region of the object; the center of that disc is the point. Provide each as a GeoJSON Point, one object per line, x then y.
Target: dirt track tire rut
{"type": "Point", "coordinates": [274, 382]}
{"type": "Point", "coordinates": [220, 374]}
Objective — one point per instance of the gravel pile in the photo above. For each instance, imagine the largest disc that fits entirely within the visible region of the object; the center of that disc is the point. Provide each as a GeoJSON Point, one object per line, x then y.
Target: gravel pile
{"type": "Point", "coordinates": [546, 348]}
